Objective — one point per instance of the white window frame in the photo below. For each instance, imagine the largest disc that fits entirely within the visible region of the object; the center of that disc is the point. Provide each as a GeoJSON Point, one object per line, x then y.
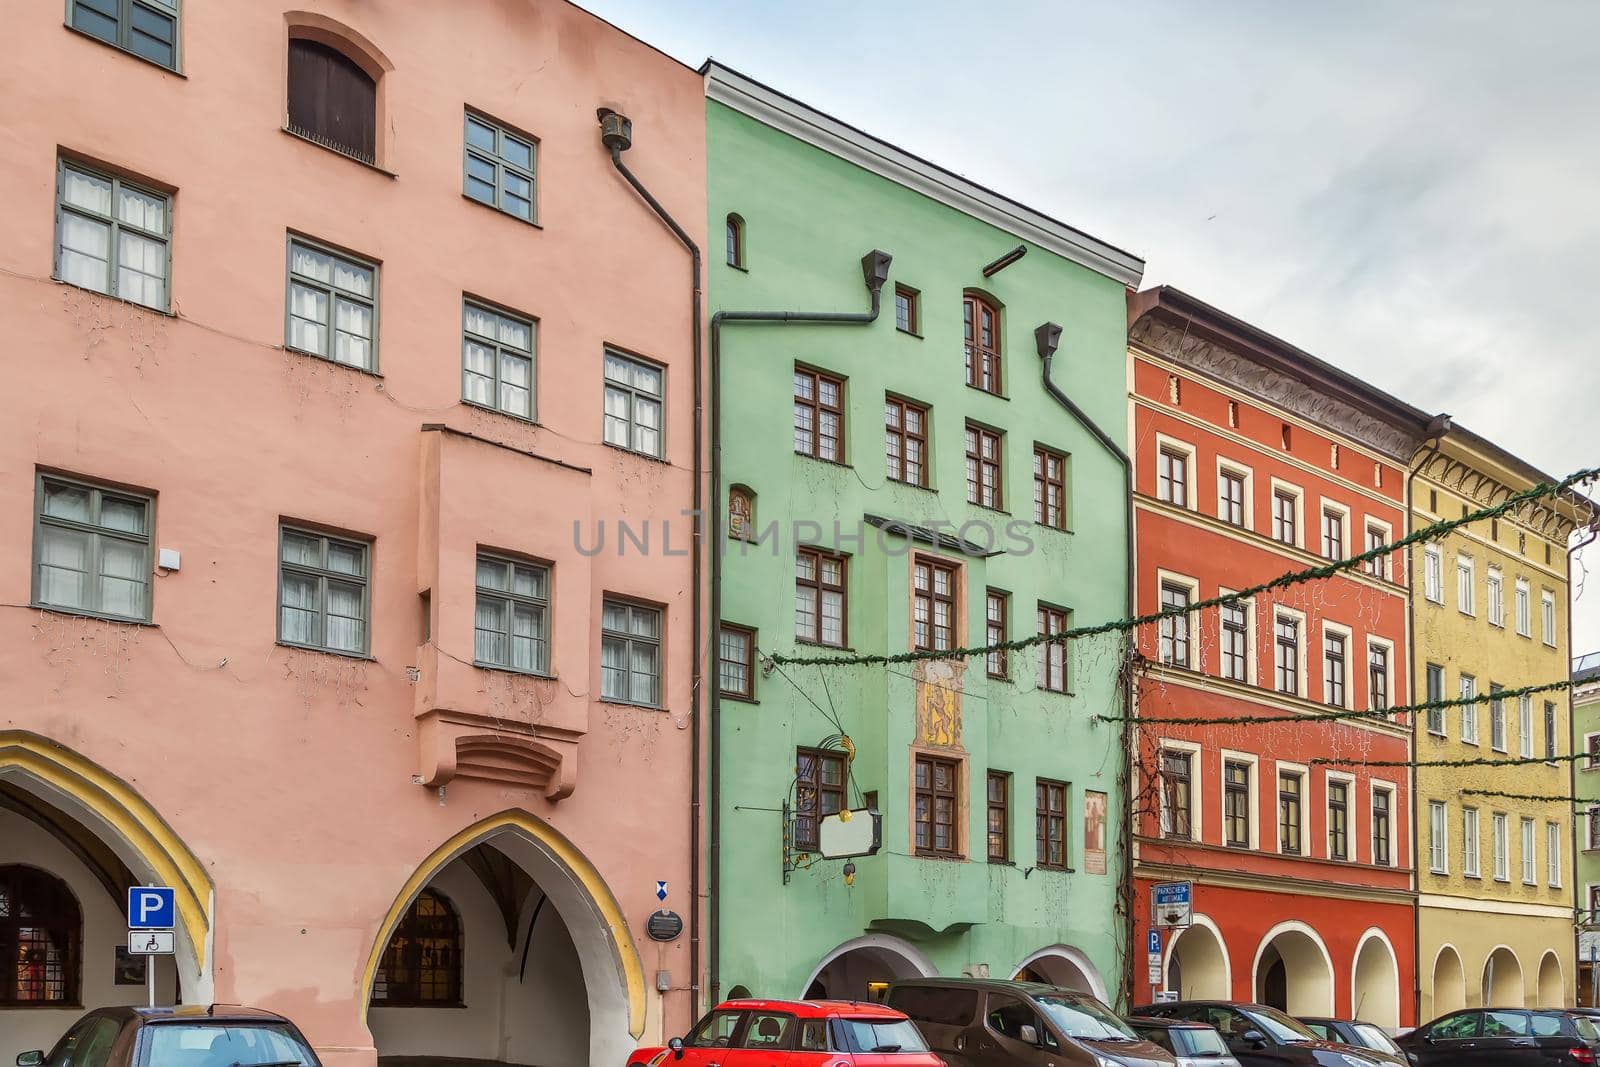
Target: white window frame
{"type": "Point", "coordinates": [1469, 712]}
{"type": "Point", "coordinates": [1196, 788]}
{"type": "Point", "coordinates": [1390, 677]}
{"type": "Point", "coordinates": [1322, 658]}
{"type": "Point", "coordinates": [1524, 608]}
{"type": "Point", "coordinates": [1192, 657]}
{"type": "Point", "coordinates": [1251, 656]}
{"type": "Point", "coordinates": [1589, 764]}
{"type": "Point", "coordinates": [1529, 836]}
{"type": "Point", "coordinates": [1352, 849]}
{"type": "Point", "coordinates": [1344, 529]}
{"type": "Point", "coordinates": [1374, 787]}
{"type": "Point", "coordinates": [1505, 739]}
{"type": "Point", "coordinates": [1471, 844]}
{"type": "Point", "coordinates": [1525, 726]}
{"type": "Point", "coordinates": [1225, 465]}
{"type": "Point", "coordinates": [1500, 834]}
{"type": "Point", "coordinates": [1466, 569]}
{"type": "Point", "coordinates": [1552, 847]}
{"type": "Point", "coordinates": [1299, 494]}
{"type": "Point", "coordinates": [1226, 756]}
{"type": "Point", "coordinates": [1433, 575]}
{"type": "Point", "coordinates": [1386, 561]}
{"type": "Point", "coordinates": [1547, 616]}
{"type": "Point", "coordinates": [1301, 640]}
{"type": "Point", "coordinates": [1438, 837]}
{"type": "Point", "coordinates": [1187, 451]}
{"type": "Point", "coordinates": [1444, 718]}
{"type": "Point", "coordinates": [1495, 582]}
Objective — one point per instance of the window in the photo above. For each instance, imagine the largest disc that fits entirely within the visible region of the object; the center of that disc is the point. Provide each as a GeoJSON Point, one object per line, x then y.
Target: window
{"type": "Point", "coordinates": [332, 101]}
{"type": "Point", "coordinates": [1050, 823]}
{"type": "Point", "coordinates": [421, 964]}
{"type": "Point", "coordinates": [938, 801]}
{"type": "Point", "coordinates": [322, 591]}
{"type": "Point", "coordinates": [1175, 628]}
{"type": "Point", "coordinates": [1433, 575]}
{"type": "Point", "coordinates": [1333, 668]}
{"type": "Point", "coordinates": [633, 400]}
{"type": "Point", "coordinates": [1594, 903]}
{"type": "Point", "coordinates": [1464, 586]}
{"type": "Point", "coordinates": [1550, 729]}
{"type": "Point", "coordinates": [1377, 537]}
{"type": "Point", "coordinates": [41, 937]}
{"type": "Point", "coordinates": [512, 622]}
{"type": "Point", "coordinates": [996, 605]}
{"type": "Point", "coordinates": [333, 305]}
{"type": "Point", "coordinates": [1230, 497]}
{"type": "Point", "coordinates": [630, 653]}
{"type": "Point", "coordinates": [497, 360]}
{"type": "Point", "coordinates": [1332, 534]}
{"type": "Point", "coordinates": [1235, 641]}
{"type": "Point", "coordinates": [819, 789]}
{"type": "Point", "coordinates": [735, 241]}
{"type": "Point", "coordinates": [1382, 827]}
{"type": "Point", "coordinates": [1338, 820]}
{"type": "Point", "coordinates": [1236, 803]}
{"type": "Point", "coordinates": [907, 317]}
{"type": "Point", "coordinates": [1547, 604]}
{"type": "Point", "coordinates": [1469, 712]}
{"type": "Point", "coordinates": [1497, 719]}
{"type": "Point", "coordinates": [1049, 488]}
{"type": "Point", "coordinates": [1284, 518]}
{"type": "Point", "coordinates": [999, 787]}
{"type": "Point", "coordinates": [983, 467]}
{"type": "Point", "coordinates": [819, 598]}
{"type": "Point", "coordinates": [736, 661]}
{"type": "Point", "coordinates": [1530, 860]}
{"type": "Point", "coordinates": [981, 330]}
{"type": "Point", "coordinates": [818, 415]}
{"type": "Point", "coordinates": [1593, 829]}
{"type": "Point", "coordinates": [1177, 795]}
{"type": "Point", "coordinates": [1525, 726]}
{"type": "Point", "coordinates": [905, 441]}
{"type": "Point", "coordinates": [741, 513]}
{"type": "Point", "coordinates": [1172, 476]}
{"type": "Point", "coordinates": [1496, 585]}
{"type": "Point", "coordinates": [146, 28]}
{"type": "Point", "coordinates": [112, 236]}
{"type": "Point", "coordinates": [499, 167]}
{"type": "Point", "coordinates": [933, 605]}
{"type": "Point", "coordinates": [1052, 654]}
{"type": "Point", "coordinates": [1438, 840]}
{"type": "Point", "coordinates": [1435, 694]}
{"type": "Point", "coordinates": [1524, 610]}
{"type": "Point", "coordinates": [91, 549]}
{"type": "Point", "coordinates": [1377, 675]}
{"type": "Point", "coordinates": [1469, 846]}
{"type": "Point", "coordinates": [1552, 850]}
{"type": "Point", "coordinates": [1289, 813]}
{"type": "Point", "coordinates": [1502, 849]}
{"type": "Point", "coordinates": [1287, 643]}
{"type": "Point", "coordinates": [1593, 747]}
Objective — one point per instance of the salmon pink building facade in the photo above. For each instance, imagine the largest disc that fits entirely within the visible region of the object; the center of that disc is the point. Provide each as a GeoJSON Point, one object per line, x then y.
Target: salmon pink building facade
{"type": "Point", "coordinates": [340, 346]}
{"type": "Point", "coordinates": [1254, 460]}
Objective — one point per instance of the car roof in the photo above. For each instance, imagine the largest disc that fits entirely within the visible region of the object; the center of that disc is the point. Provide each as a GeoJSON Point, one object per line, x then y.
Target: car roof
{"type": "Point", "coordinates": [1323, 1019]}
{"type": "Point", "coordinates": [814, 1009]}
{"type": "Point", "coordinates": [189, 1013]}
{"type": "Point", "coordinates": [996, 984]}
{"type": "Point", "coordinates": [1168, 1024]}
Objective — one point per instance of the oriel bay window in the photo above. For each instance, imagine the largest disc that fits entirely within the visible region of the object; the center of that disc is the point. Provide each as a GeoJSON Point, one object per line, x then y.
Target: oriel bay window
{"type": "Point", "coordinates": [937, 799]}
{"type": "Point", "coordinates": [1338, 819]}
{"type": "Point", "coordinates": [983, 467]}
{"type": "Point", "coordinates": [1049, 488]}
{"type": "Point", "coordinates": [1050, 823]}
{"type": "Point", "coordinates": [630, 653]}
{"type": "Point", "coordinates": [981, 330]}
{"type": "Point", "coordinates": [91, 549]}
{"type": "Point", "coordinates": [819, 598]}
{"type": "Point", "coordinates": [322, 591]}
{"type": "Point", "coordinates": [1236, 803]}
{"type": "Point", "coordinates": [818, 415]}
{"type": "Point", "coordinates": [333, 305]}
{"type": "Point", "coordinates": [905, 441]}
{"type": "Point", "coordinates": [497, 360]}
{"type": "Point", "coordinates": [1177, 795]}
{"type": "Point", "coordinates": [933, 603]}
{"type": "Point", "coordinates": [999, 816]}
{"type": "Point", "coordinates": [512, 616]}
{"type": "Point", "coordinates": [1289, 806]}
{"type": "Point", "coordinates": [819, 790]}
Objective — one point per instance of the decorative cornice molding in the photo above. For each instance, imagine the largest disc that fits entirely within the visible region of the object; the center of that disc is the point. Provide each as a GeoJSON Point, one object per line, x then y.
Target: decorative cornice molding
{"type": "Point", "coordinates": [1466, 480]}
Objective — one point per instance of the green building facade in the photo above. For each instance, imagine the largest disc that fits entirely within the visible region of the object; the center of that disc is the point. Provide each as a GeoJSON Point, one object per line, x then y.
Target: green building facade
{"type": "Point", "coordinates": [849, 453]}
{"type": "Point", "coordinates": [1586, 787]}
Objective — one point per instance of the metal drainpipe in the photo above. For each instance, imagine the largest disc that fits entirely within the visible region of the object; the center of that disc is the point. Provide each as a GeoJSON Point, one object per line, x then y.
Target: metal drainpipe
{"type": "Point", "coordinates": [617, 135]}
{"type": "Point", "coordinates": [1572, 791]}
{"type": "Point", "coordinates": [875, 272]}
{"type": "Point", "coordinates": [1046, 337]}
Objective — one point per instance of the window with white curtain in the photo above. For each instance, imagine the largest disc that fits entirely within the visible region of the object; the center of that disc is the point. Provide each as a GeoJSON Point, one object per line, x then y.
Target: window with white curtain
{"type": "Point", "coordinates": [633, 401]}
{"type": "Point", "coordinates": [630, 653]}
{"type": "Point", "coordinates": [323, 598]}
{"type": "Point", "coordinates": [333, 305]}
{"type": "Point", "coordinates": [92, 549]}
{"type": "Point", "coordinates": [512, 625]}
{"type": "Point", "coordinates": [112, 235]}
{"type": "Point", "coordinates": [497, 359]}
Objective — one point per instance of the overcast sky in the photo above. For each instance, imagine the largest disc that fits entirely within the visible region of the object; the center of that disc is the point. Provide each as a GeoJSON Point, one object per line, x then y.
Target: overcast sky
{"type": "Point", "coordinates": [1408, 189]}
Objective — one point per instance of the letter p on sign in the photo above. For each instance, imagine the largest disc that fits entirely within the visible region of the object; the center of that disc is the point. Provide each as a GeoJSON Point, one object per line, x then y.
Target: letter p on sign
{"type": "Point", "coordinates": [151, 908]}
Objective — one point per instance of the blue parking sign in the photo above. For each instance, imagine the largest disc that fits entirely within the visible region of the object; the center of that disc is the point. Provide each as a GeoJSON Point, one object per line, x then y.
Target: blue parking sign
{"type": "Point", "coordinates": [1153, 942]}
{"type": "Point", "coordinates": [151, 907]}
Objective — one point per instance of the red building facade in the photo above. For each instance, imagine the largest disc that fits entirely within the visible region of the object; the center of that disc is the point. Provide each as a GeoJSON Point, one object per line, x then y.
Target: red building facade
{"type": "Point", "coordinates": [1253, 459]}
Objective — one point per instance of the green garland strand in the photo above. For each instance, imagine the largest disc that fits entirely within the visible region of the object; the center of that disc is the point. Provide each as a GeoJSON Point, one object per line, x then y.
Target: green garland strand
{"type": "Point", "coordinates": [1473, 761]}
{"type": "Point", "coordinates": [1534, 797]}
{"type": "Point", "coordinates": [1283, 581]}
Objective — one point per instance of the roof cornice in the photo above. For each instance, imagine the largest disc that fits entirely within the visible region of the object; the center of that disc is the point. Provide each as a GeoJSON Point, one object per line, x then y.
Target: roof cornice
{"type": "Point", "coordinates": [805, 123]}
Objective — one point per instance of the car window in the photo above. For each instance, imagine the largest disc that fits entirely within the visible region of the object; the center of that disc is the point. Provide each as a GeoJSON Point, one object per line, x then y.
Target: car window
{"type": "Point", "coordinates": [1547, 1026]}
{"type": "Point", "coordinates": [1083, 1017]}
{"type": "Point", "coordinates": [715, 1030]}
{"type": "Point", "coordinates": [767, 1030]}
{"type": "Point", "coordinates": [1201, 1041]}
{"type": "Point", "coordinates": [86, 1045]}
{"type": "Point", "coordinates": [884, 1035]}
{"type": "Point", "coordinates": [1008, 1015]}
{"type": "Point", "coordinates": [936, 1004]}
{"type": "Point", "coordinates": [1322, 1030]}
{"type": "Point", "coordinates": [1373, 1037]}
{"type": "Point", "coordinates": [1455, 1027]}
{"type": "Point", "coordinates": [1156, 1035]}
{"type": "Point", "coordinates": [1505, 1024]}
{"type": "Point", "coordinates": [1230, 1023]}
{"type": "Point", "coordinates": [814, 1035]}
{"type": "Point", "coordinates": [226, 1045]}
{"type": "Point", "coordinates": [1278, 1026]}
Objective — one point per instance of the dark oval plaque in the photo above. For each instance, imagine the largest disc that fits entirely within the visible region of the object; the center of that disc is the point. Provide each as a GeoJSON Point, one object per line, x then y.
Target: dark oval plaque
{"type": "Point", "coordinates": [664, 926]}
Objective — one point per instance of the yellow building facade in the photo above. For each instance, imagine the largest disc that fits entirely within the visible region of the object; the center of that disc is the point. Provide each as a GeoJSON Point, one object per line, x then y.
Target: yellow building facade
{"type": "Point", "coordinates": [1495, 874]}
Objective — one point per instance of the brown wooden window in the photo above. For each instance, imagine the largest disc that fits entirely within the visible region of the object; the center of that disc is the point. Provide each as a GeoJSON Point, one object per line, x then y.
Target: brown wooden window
{"type": "Point", "coordinates": [1235, 642]}
{"type": "Point", "coordinates": [332, 101]}
{"type": "Point", "coordinates": [907, 314]}
{"type": "Point", "coordinates": [41, 939]}
{"type": "Point", "coordinates": [905, 440]}
{"type": "Point", "coordinates": [1236, 804]}
{"type": "Point", "coordinates": [741, 513]}
{"type": "Point", "coordinates": [1052, 654]}
{"type": "Point", "coordinates": [1172, 477]}
{"type": "Point", "coordinates": [1049, 488]}
{"type": "Point", "coordinates": [818, 415]}
{"type": "Point", "coordinates": [1333, 534]}
{"type": "Point", "coordinates": [1377, 566]}
{"type": "Point", "coordinates": [938, 805]}
{"type": "Point", "coordinates": [996, 606]}
{"type": "Point", "coordinates": [1230, 498]}
{"type": "Point", "coordinates": [819, 598]}
{"type": "Point", "coordinates": [999, 817]}
{"type": "Point", "coordinates": [1050, 823]}
{"type": "Point", "coordinates": [1174, 628]}
{"type": "Point", "coordinates": [1338, 820]}
{"type": "Point", "coordinates": [1333, 665]}
{"type": "Point", "coordinates": [421, 965]}
{"type": "Point", "coordinates": [819, 790]}
{"type": "Point", "coordinates": [1288, 645]}
{"type": "Point", "coordinates": [1380, 827]}
{"type": "Point", "coordinates": [736, 661]}
{"type": "Point", "coordinates": [1378, 677]}
{"type": "Point", "coordinates": [1177, 795]}
{"type": "Point", "coordinates": [1289, 813]}
{"type": "Point", "coordinates": [933, 605]}
{"type": "Point", "coordinates": [981, 326]}
{"type": "Point", "coordinates": [983, 467]}
{"type": "Point", "coordinates": [735, 241]}
{"type": "Point", "coordinates": [1284, 522]}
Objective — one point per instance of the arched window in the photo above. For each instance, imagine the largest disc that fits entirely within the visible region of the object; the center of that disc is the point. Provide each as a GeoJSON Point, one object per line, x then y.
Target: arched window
{"type": "Point", "coordinates": [421, 966]}
{"type": "Point", "coordinates": [981, 325]}
{"type": "Point", "coordinates": [41, 937]}
{"type": "Point", "coordinates": [332, 100]}
{"type": "Point", "coordinates": [741, 513]}
{"type": "Point", "coordinates": [735, 241]}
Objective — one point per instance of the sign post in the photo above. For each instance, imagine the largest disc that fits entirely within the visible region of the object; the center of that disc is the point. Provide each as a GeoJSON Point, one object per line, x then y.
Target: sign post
{"type": "Point", "coordinates": [152, 914]}
{"type": "Point", "coordinates": [1153, 956]}
{"type": "Point", "coordinates": [1172, 904]}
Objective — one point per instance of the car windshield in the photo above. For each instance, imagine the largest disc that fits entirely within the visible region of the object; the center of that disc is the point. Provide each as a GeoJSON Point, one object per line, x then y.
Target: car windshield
{"type": "Point", "coordinates": [885, 1035]}
{"type": "Point", "coordinates": [1084, 1018]}
{"type": "Point", "coordinates": [1275, 1024]}
{"type": "Point", "coordinates": [1372, 1037]}
{"type": "Point", "coordinates": [1199, 1041]}
{"type": "Point", "coordinates": [226, 1045]}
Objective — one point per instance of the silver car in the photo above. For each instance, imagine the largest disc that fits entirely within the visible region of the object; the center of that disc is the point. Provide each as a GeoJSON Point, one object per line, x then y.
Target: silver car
{"type": "Point", "coordinates": [1192, 1044]}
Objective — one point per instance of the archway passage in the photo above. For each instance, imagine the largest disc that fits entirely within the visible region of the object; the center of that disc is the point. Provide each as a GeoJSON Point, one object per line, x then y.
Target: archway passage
{"type": "Point", "coordinates": [1293, 973]}
{"type": "Point", "coordinates": [1449, 983]}
{"type": "Point", "coordinates": [1502, 980]}
{"type": "Point", "coordinates": [863, 970]}
{"type": "Point", "coordinates": [1197, 968]}
{"type": "Point", "coordinates": [1063, 966]}
{"type": "Point", "coordinates": [1552, 991]}
{"type": "Point", "coordinates": [1376, 988]}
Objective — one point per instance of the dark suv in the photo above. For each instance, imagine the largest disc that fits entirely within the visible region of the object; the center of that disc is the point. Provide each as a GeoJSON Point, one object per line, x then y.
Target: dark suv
{"type": "Point", "coordinates": [1491, 1037]}
{"type": "Point", "coordinates": [1259, 1036]}
{"type": "Point", "coordinates": [190, 1036]}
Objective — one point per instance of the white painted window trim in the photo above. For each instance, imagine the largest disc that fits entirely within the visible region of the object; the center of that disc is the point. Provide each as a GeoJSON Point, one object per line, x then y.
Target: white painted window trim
{"type": "Point", "coordinates": [1374, 787]}
{"type": "Point", "coordinates": [1192, 585]}
{"type": "Point", "coordinates": [1501, 856]}
{"type": "Point", "coordinates": [1196, 787]}
{"type": "Point", "coordinates": [1433, 563]}
{"type": "Point", "coordinates": [1438, 837]}
{"type": "Point", "coordinates": [1252, 652]}
{"type": "Point", "coordinates": [1322, 658]}
{"type": "Point", "coordinates": [1249, 476]}
{"type": "Point", "coordinates": [1302, 641]}
{"type": "Point", "coordinates": [1352, 841]}
{"type": "Point", "coordinates": [1470, 713]}
{"type": "Point", "coordinates": [1528, 840]}
{"type": "Point", "coordinates": [1444, 713]}
{"type": "Point", "coordinates": [1588, 765]}
{"type": "Point", "coordinates": [1552, 845]}
{"type": "Point", "coordinates": [1525, 726]}
{"type": "Point", "coordinates": [1475, 838]}
{"type": "Point", "coordinates": [1524, 608]}
{"type": "Point", "coordinates": [1187, 450]}
{"type": "Point", "coordinates": [1590, 844]}
{"type": "Point", "coordinates": [1299, 494]}
{"type": "Point", "coordinates": [1390, 679]}
{"type": "Point", "coordinates": [1386, 571]}
{"type": "Point", "coordinates": [1343, 511]}
{"type": "Point", "coordinates": [1226, 756]}
{"type": "Point", "coordinates": [1547, 616]}
{"type": "Point", "coordinates": [1303, 772]}
{"type": "Point", "coordinates": [1505, 725]}
{"type": "Point", "coordinates": [1466, 604]}
{"type": "Point", "coordinates": [1495, 597]}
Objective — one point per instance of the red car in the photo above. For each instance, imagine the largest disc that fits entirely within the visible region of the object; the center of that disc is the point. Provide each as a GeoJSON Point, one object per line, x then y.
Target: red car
{"type": "Point", "coordinates": [795, 1033]}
